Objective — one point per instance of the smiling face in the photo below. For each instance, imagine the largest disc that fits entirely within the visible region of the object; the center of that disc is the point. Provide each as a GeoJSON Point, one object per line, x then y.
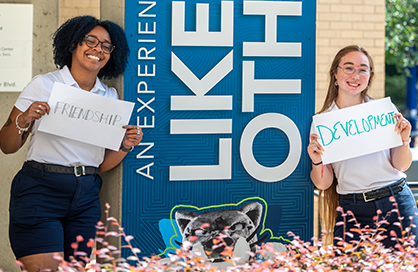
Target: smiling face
{"type": "Point", "coordinates": [88, 59]}
{"type": "Point", "coordinates": [352, 84]}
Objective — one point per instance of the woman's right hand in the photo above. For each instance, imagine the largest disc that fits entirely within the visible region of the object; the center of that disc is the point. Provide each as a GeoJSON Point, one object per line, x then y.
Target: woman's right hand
{"type": "Point", "coordinates": [321, 175]}
{"type": "Point", "coordinates": [11, 137]}
{"type": "Point", "coordinates": [35, 111]}
{"type": "Point", "coordinates": [315, 149]}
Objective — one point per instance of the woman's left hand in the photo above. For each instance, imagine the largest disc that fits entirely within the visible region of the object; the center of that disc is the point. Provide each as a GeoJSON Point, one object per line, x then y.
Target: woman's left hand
{"type": "Point", "coordinates": [402, 127]}
{"type": "Point", "coordinates": [133, 136]}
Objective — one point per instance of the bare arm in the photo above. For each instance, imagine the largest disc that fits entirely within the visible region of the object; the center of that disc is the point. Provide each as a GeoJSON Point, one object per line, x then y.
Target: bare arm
{"type": "Point", "coordinates": [321, 175]}
{"type": "Point", "coordinates": [133, 137]}
{"type": "Point", "coordinates": [401, 156]}
{"type": "Point", "coordinates": [10, 138]}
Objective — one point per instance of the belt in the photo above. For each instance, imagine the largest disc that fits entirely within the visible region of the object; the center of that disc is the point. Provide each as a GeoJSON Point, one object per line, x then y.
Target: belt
{"type": "Point", "coordinates": [79, 170]}
{"type": "Point", "coordinates": [378, 193]}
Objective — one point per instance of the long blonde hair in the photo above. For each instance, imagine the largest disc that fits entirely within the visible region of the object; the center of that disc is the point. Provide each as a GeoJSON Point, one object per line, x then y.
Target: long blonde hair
{"type": "Point", "coordinates": [328, 199]}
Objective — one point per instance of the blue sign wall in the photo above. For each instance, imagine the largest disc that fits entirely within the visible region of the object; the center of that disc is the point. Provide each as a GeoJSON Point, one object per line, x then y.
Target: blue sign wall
{"type": "Point", "coordinates": [224, 93]}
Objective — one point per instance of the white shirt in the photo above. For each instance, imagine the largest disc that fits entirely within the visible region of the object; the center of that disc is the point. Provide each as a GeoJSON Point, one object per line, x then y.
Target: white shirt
{"type": "Point", "coordinates": [48, 148]}
{"type": "Point", "coordinates": [367, 172]}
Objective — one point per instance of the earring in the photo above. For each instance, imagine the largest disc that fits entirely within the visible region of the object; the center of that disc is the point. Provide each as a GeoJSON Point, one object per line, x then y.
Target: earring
{"type": "Point", "coordinates": [336, 83]}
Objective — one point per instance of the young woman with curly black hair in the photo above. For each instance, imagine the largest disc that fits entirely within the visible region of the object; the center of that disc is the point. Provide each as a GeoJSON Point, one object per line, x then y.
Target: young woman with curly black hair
{"type": "Point", "coordinates": [54, 197]}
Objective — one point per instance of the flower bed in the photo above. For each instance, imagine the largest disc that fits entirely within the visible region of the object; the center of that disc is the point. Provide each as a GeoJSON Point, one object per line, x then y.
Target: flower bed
{"type": "Point", "coordinates": [367, 254]}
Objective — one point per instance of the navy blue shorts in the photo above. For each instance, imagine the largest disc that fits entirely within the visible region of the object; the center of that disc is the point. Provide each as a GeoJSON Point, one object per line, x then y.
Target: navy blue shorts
{"type": "Point", "coordinates": [48, 211]}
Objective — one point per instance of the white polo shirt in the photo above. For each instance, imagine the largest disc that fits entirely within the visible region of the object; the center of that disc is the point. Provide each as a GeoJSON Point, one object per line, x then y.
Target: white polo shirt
{"type": "Point", "coordinates": [48, 148]}
{"type": "Point", "coordinates": [367, 172]}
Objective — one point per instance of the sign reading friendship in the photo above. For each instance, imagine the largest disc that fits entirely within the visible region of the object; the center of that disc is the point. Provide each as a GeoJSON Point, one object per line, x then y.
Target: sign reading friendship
{"type": "Point", "coordinates": [86, 117]}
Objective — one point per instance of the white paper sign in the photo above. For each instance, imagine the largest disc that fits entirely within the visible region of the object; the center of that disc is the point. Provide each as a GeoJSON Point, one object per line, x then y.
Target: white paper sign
{"type": "Point", "coordinates": [86, 117]}
{"type": "Point", "coordinates": [357, 130]}
{"type": "Point", "coordinates": [16, 24]}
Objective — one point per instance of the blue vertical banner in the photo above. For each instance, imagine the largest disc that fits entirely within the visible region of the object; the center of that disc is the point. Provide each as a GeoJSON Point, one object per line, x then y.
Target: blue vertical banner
{"type": "Point", "coordinates": [224, 92]}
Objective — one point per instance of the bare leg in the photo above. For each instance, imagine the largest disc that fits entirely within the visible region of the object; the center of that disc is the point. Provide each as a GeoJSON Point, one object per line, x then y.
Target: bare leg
{"type": "Point", "coordinates": [41, 262]}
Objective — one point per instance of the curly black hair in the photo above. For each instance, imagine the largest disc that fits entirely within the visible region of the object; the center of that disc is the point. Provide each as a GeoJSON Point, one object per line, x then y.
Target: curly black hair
{"type": "Point", "coordinates": [73, 31]}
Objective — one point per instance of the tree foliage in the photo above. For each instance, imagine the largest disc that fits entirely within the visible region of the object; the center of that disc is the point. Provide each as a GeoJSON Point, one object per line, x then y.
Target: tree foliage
{"type": "Point", "coordinates": [401, 39]}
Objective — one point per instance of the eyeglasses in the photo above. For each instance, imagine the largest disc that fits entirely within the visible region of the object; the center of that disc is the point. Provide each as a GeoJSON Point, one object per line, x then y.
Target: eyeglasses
{"type": "Point", "coordinates": [349, 70]}
{"type": "Point", "coordinates": [93, 41]}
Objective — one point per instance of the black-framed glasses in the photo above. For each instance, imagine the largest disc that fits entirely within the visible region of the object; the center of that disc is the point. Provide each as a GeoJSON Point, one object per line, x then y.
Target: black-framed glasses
{"type": "Point", "coordinates": [349, 70]}
{"type": "Point", "coordinates": [93, 41]}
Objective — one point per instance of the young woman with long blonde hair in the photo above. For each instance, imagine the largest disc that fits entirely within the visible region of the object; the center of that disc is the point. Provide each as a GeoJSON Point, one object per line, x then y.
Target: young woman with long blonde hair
{"type": "Point", "coordinates": [364, 184]}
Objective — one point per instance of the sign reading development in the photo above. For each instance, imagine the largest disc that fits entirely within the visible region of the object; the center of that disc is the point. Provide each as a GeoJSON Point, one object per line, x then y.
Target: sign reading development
{"type": "Point", "coordinates": [357, 130]}
{"type": "Point", "coordinates": [224, 92]}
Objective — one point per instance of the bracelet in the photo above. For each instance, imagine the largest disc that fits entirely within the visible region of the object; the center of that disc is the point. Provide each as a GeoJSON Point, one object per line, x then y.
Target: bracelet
{"type": "Point", "coordinates": [124, 149]}
{"type": "Point", "coordinates": [317, 163]}
{"type": "Point", "coordinates": [407, 142]}
{"type": "Point", "coordinates": [20, 128]}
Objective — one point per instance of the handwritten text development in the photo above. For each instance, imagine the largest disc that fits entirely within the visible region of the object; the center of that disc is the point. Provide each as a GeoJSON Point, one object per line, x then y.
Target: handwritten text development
{"type": "Point", "coordinates": [353, 127]}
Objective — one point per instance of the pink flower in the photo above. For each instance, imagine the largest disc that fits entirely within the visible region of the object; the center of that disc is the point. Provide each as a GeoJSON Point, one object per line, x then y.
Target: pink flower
{"type": "Point", "coordinates": [205, 225]}
{"type": "Point", "coordinates": [90, 243]}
